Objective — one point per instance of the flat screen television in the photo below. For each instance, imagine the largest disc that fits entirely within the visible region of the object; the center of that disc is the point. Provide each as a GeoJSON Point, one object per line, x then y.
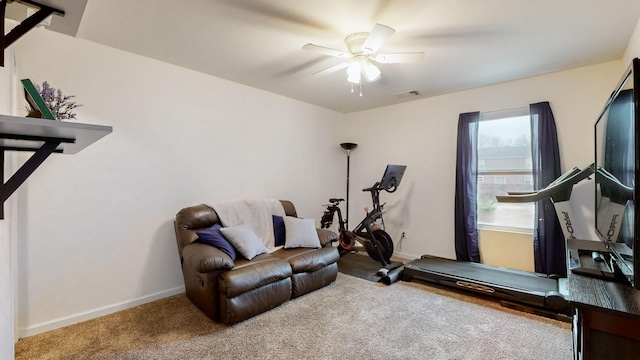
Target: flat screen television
{"type": "Point", "coordinates": [617, 169]}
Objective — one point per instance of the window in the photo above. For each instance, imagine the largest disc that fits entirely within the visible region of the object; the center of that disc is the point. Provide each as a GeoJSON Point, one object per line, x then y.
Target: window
{"type": "Point", "coordinates": [504, 149]}
{"type": "Point", "coordinates": [529, 163]}
{"type": "Point", "coordinates": [528, 180]}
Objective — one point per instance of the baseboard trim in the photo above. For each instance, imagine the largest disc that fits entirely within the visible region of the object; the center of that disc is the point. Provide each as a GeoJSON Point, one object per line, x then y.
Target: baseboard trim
{"type": "Point", "coordinates": [91, 314]}
{"type": "Point", "coordinates": [406, 256]}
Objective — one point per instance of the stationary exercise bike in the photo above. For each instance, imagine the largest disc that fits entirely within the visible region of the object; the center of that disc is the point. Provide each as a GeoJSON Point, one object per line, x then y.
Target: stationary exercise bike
{"type": "Point", "coordinates": [368, 233]}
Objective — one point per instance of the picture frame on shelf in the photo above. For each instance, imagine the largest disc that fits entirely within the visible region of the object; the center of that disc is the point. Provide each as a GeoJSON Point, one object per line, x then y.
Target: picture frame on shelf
{"type": "Point", "coordinates": [35, 100]}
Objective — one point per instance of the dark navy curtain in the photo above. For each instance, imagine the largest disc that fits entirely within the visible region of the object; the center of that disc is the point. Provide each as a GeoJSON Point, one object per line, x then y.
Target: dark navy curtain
{"type": "Point", "coordinates": [466, 226]}
{"type": "Point", "coordinates": [548, 240]}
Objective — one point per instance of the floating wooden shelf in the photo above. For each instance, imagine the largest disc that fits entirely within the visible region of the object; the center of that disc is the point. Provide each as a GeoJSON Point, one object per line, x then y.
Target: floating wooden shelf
{"type": "Point", "coordinates": [43, 137]}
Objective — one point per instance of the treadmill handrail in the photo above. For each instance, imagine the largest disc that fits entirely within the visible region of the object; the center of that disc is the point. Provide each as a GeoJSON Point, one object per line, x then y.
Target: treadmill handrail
{"type": "Point", "coordinates": [560, 178]}
{"type": "Point", "coordinates": [521, 192]}
{"type": "Point", "coordinates": [568, 174]}
{"type": "Point", "coordinates": [558, 190]}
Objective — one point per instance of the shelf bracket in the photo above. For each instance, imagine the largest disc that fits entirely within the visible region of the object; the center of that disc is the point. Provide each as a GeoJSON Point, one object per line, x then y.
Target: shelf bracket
{"type": "Point", "coordinates": [26, 24]}
{"type": "Point", "coordinates": [24, 172]}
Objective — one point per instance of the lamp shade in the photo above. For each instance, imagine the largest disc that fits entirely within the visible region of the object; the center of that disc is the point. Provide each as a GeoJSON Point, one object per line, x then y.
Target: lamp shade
{"type": "Point", "coordinates": [354, 72]}
{"type": "Point", "coordinates": [371, 71]}
{"type": "Point", "coordinates": [348, 146]}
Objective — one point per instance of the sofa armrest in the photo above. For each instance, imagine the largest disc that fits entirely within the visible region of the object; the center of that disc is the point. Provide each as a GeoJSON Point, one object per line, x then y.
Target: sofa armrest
{"type": "Point", "coordinates": [205, 258]}
{"type": "Point", "coordinates": [326, 237]}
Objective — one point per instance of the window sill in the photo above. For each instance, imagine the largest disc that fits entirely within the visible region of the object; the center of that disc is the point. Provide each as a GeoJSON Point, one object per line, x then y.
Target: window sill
{"type": "Point", "coordinates": [502, 228]}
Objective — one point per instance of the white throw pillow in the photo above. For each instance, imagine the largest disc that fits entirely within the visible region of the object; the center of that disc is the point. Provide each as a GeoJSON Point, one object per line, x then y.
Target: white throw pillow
{"type": "Point", "coordinates": [300, 233]}
{"type": "Point", "coordinates": [245, 240]}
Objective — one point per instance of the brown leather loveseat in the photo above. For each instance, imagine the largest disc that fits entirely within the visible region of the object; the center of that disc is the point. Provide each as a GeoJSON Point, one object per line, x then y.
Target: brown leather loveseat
{"type": "Point", "coordinates": [232, 291]}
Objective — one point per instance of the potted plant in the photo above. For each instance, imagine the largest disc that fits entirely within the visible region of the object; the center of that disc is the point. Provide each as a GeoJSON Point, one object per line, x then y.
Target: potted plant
{"type": "Point", "coordinates": [486, 210]}
{"type": "Point", "coordinates": [60, 105]}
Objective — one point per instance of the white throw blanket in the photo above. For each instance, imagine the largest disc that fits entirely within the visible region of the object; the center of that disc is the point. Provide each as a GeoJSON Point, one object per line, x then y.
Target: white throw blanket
{"type": "Point", "coordinates": [257, 213]}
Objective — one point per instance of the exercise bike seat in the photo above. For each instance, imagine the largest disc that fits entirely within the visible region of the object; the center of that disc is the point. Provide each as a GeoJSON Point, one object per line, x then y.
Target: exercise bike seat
{"type": "Point", "coordinates": [333, 200]}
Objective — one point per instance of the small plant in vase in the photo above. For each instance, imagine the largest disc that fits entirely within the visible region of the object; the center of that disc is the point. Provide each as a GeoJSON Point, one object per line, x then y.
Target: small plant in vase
{"type": "Point", "coordinates": [59, 104]}
{"type": "Point", "coordinates": [487, 205]}
{"type": "Point", "coordinates": [486, 210]}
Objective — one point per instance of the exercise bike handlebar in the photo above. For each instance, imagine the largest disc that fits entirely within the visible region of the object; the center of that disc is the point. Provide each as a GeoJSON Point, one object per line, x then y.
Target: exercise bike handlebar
{"type": "Point", "coordinates": [375, 187]}
{"type": "Point", "coordinates": [393, 187]}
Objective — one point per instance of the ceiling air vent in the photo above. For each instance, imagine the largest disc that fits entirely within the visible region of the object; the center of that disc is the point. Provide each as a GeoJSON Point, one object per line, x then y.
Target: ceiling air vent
{"type": "Point", "coordinates": [405, 94]}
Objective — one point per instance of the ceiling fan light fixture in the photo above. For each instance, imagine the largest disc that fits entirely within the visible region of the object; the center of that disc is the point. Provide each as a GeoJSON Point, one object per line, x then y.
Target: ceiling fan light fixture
{"type": "Point", "coordinates": [362, 52]}
{"type": "Point", "coordinates": [371, 72]}
{"type": "Point", "coordinates": [354, 72]}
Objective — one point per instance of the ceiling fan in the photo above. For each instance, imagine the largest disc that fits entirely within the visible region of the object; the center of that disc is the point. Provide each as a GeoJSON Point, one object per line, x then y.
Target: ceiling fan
{"type": "Point", "coordinates": [362, 55]}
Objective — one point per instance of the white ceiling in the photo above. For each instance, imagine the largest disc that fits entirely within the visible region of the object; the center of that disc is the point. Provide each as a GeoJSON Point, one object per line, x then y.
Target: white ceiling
{"type": "Point", "coordinates": [467, 43]}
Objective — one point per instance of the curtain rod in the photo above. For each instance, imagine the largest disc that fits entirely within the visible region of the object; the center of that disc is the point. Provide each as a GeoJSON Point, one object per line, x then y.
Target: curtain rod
{"type": "Point", "coordinates": [503, 113]}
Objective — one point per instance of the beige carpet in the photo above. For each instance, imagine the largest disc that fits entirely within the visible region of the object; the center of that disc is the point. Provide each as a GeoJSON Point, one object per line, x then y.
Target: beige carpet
{"type": "Point", "coordinates": [350, 319]}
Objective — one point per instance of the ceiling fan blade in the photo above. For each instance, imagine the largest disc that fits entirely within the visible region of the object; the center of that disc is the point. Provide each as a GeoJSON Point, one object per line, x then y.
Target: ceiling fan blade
{"type": "Point", "coordinates": [377, 37]}
{"type": "Point", "coordinates": [410, 57]}
{"type": "Point", "coordinates": [326, 51]}
{"type": "Point", "coordinates": [332, 69]}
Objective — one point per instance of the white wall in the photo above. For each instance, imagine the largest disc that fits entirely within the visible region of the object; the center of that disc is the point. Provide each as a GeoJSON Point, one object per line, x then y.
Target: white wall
{"type": "Point", "coordinates": [422, 135]}
{"type": "Point", "coordinates": [96, 228]}
{"type": "Point", "coordinates": [511, 250]}
{"type": "Point", "coordinates": [633, 49]}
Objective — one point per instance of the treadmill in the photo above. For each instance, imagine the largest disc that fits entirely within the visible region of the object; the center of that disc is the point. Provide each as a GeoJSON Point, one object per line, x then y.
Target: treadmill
{"type": "Point", "coordinates": [535, 290]}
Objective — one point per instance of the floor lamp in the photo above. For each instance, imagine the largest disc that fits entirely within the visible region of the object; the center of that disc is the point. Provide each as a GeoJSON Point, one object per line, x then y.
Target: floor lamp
{"type": "Point", "coordinates": [348, 147]}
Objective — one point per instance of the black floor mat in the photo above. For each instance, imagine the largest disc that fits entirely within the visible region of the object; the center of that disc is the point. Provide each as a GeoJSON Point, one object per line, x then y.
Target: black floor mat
{"type": "Point", "coordinates": [361, 266]}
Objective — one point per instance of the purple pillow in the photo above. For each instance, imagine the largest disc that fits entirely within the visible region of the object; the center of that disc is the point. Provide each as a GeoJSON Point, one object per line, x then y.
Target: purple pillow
{"type": "Point", "coordinates": [212, 236]}
{"type": "Point", "coordinates": [279, 230]}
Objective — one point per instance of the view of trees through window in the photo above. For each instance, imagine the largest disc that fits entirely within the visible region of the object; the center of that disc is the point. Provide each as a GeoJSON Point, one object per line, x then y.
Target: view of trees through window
{"type": "Point", "coordinates": [504, 165]}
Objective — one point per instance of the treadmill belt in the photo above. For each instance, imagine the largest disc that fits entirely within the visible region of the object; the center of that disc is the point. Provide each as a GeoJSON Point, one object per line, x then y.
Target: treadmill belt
{"type": "Point", "coordinates": [482, 273]}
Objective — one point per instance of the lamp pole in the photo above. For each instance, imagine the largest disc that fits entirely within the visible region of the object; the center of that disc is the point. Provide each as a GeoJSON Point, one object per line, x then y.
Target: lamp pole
{"type": "Point", "coordinates": [348, 147]}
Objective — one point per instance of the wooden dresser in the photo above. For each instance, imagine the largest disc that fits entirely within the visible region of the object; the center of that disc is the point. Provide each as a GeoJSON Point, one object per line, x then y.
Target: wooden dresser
{"type": "Point", "coordinates": [606, 315]}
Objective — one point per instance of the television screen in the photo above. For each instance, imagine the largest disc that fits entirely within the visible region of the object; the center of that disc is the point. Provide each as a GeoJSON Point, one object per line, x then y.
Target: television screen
{"type": "Point", "coordinates": [616, 174]}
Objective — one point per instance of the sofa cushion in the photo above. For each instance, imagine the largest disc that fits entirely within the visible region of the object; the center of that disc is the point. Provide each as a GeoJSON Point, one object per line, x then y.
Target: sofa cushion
{"type": "Point", "coordinates": [300, 233]}
{"type": "Point", "coordinates": [308, 260]}
{"type": "Point", "coordinates": [262, 270]}
{"type": "Point", "coordinates": [279, 230]}
{"type": "Point", "coordinates": [244, 240]}
{"type": "Point", "coordinates": [212, 236]}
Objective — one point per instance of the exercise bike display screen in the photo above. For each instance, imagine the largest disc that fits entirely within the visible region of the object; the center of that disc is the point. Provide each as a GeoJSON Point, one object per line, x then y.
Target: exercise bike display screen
{"type": "Point", "coordinates": [392, 177]}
